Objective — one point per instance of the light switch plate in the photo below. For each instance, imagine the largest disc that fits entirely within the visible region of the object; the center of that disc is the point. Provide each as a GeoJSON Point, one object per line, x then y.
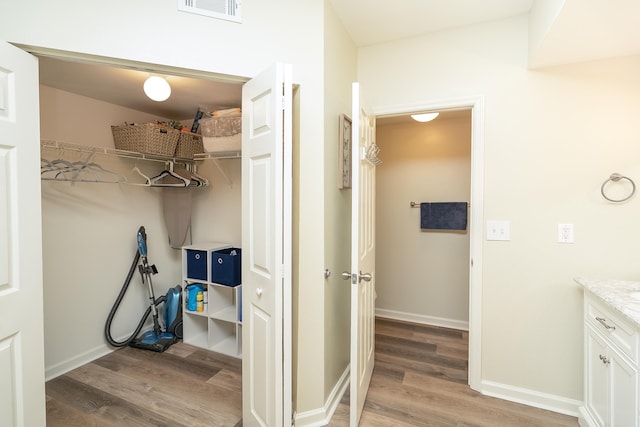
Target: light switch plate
{"type": "Point", "coordinates": [498, 230]}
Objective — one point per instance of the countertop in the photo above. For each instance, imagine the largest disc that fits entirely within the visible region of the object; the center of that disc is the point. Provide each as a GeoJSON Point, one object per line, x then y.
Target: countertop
{"type": "Point", "coordinates": [621, 295]}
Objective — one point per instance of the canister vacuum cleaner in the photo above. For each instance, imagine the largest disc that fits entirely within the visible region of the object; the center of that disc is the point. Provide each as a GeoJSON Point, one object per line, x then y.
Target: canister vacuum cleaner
{"type": "Point", "coordinates": [157, 339]}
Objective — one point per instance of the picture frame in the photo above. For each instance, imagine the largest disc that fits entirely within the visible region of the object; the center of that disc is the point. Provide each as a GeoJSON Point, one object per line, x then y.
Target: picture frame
{"type": "Point", "coordinates": [344, 152]}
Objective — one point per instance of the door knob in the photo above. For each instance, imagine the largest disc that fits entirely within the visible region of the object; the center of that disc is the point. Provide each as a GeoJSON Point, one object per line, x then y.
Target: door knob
{"type": "Point", "coordinates": [364, 276]}
{"type": "Point", "coordinates": [259, 291]}
{"type": "Point", "coordinates": [345, 275]}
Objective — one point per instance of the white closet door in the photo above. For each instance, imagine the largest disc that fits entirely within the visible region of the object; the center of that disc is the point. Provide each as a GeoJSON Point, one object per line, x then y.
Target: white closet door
{"type": "Point", "coordinates": [22, 401]}
{"type": "Point", "coordinates": [266, 248]}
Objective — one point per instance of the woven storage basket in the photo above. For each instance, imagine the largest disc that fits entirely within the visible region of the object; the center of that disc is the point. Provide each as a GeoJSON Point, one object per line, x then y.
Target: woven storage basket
{"type": "Point", "coordinates": [221, 126]}
{"type": "Point", "coordinates": [146, 138]}
{"type": "Point", "coordinates": [188, 145]}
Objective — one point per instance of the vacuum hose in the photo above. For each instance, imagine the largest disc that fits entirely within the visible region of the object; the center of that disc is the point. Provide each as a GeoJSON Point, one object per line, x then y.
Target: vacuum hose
{"type": "Point", "coordinates": [114, 309]}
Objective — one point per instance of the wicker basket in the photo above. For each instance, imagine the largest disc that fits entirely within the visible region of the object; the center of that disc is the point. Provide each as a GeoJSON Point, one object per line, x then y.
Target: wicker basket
{"type": "Point", "coordinates": [146, 138]}
{"type": "Point", "coordinates": [221, 126]}
{"type": "Point", "coordinates": [188, 145]}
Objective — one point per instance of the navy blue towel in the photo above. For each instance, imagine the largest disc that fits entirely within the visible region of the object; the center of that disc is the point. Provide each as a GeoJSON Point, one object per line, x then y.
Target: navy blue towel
{"type": "Point", "coordinates": [443, 216]}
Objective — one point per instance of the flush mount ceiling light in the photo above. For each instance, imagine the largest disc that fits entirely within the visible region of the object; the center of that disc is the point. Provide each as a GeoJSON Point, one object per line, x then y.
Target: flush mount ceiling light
{"type": "Point", "coordinates": [157, 88]}
{"type": "Point", "coordinates": [423, 118]}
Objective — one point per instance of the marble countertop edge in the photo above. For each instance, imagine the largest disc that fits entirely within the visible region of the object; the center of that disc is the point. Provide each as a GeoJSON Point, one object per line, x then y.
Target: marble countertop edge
{"type": "Point", "coordinates": [621, 295]}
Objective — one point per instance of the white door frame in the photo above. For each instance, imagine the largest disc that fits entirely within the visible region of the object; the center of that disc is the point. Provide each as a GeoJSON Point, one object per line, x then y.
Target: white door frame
{"type": "Point", "coordinates": [476, 103]}
{"type": "Point", "coordinates": [184, 72]}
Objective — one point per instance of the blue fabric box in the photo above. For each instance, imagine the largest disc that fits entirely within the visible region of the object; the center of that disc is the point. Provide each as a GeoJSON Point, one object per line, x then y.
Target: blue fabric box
{"type": "Point", "coordinates": [226, 266]}
{"type": "Point", "coordinates": [197, 264]}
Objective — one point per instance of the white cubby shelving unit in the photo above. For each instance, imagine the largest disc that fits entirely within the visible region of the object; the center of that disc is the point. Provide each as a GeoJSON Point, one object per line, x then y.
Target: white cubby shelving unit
{"type": "Point", "coordinates": [219, 326]}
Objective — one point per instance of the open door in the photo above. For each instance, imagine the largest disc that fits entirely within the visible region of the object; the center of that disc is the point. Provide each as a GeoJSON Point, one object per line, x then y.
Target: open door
{"type": "Point", "coordinates": [22, 396]}
{"type": "Point", "coordinates": [266, 242]}
{"type": "Point", "coordinates": [363, 253]}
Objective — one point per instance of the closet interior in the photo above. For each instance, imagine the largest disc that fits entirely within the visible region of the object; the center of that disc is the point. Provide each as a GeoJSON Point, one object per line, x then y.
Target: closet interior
{"type": "Point", "coordinates": [95, 197]}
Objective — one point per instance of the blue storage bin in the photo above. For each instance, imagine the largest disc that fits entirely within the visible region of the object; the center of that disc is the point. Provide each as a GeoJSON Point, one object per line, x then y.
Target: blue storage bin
{"type": "Point", "coordinates": [226, 266]}
{"type": "Point", "coordinates": [197, 264]}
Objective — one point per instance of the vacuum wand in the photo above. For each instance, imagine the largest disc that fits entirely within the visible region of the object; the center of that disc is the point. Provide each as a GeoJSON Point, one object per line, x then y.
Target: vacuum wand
{"type": "Point", "coordinates": [146, 271]}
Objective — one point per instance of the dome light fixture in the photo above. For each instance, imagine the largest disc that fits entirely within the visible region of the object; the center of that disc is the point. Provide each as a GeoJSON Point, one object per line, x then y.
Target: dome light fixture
{"type": "Point", "coordinates": [423, 118]}
{"type": "Point", "coordinates": [157, 88]}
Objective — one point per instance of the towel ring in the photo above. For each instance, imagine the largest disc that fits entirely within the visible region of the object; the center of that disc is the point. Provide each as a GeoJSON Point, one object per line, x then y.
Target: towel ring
{"type": "Point", "coordinates": [615, 177]}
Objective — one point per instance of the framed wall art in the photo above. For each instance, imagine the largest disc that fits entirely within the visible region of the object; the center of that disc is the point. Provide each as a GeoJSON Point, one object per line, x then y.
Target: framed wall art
{"type": "Point", "coordinates": [344, 153]}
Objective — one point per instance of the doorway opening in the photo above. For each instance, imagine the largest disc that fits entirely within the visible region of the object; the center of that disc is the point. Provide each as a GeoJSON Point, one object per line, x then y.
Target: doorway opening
{"type": "Point", "coordinates": [88, 229]}
{"type": "Point", "coordinates": [408, 217]}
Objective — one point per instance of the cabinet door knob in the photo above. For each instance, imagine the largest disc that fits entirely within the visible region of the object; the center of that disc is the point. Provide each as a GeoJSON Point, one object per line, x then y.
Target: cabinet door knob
{"type": "Point", "coordinates": [259, 291]}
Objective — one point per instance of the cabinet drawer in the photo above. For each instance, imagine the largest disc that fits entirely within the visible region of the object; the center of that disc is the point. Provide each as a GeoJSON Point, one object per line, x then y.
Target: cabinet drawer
{"type": "Point", "coordinates": [619, 331]}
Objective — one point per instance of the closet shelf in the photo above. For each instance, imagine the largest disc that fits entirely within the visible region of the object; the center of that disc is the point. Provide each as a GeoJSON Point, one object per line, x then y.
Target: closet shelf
{"type": "Point", "coordinates": [218, 155]}
{"type": "Point", "coordinates": [67, 146]}
{"type": "Point", "coordinates": [88, 170]}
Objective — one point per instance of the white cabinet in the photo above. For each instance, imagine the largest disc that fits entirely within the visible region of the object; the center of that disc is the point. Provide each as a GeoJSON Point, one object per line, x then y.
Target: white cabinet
{"type": "Point", "coordinates": [218, 327]}
{"type": "Point", "coordinates": [611, 368]}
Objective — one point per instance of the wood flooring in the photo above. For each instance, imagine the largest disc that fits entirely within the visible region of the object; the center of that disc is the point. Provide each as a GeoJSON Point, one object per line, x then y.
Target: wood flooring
{"type": "Point", "coordinates": [184, 386]}
{"type": "Point", "coordinates": [420, 379]}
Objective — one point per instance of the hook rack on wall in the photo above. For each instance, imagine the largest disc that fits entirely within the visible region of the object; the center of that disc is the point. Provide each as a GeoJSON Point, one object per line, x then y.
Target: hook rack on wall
{"type": "Point", "coordinates": [371, 154]}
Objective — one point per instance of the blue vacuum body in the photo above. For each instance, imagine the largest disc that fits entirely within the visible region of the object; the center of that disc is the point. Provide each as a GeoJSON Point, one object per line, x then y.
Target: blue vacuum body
{"type": "Point", "coordinates": [157, 339]}
{"type": "Point", "coordinates": [173, 311]}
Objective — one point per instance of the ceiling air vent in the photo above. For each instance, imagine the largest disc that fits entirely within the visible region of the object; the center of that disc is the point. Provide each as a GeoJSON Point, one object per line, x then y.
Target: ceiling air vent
{"type": "Point", "coordinates": [229, 10]}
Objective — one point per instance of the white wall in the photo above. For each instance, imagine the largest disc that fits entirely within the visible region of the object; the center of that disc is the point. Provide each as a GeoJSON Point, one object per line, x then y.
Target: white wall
{"type": "Point", "coordinates": [340, 73]}
{"type": "Point", "coordinates": [551, 138]}
{"type": "Point", "coordinates": [422, 275]}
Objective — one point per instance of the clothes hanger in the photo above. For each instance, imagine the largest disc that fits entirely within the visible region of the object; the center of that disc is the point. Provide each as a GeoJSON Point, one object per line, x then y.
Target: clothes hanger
{"type": "Point", "coordinates": [178, 180]}
{"type": "Point", "coordinates": [200, 180]}
{"type": "Point", "coordinates": [147, 180]}
{"type": "Point", "coordinates": [102, 172]}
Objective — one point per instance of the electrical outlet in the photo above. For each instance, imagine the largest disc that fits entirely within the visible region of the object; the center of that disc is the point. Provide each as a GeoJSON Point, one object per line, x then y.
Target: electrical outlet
{"type": "Point", "coordinates": [565, 233]}
{"type": "Point", "coordinates": [498, 230]}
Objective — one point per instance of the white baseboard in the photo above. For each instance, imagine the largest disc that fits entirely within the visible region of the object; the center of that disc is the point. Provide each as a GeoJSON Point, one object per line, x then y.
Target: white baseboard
{"type": "Point", "coordinates": [533, 398]}
{"type": "Point", "coordinates": [502, 391]}
{"type": "Point", "coordinates": [421, 318]}
{"type": "Point", "coordinates": [61, 368]}
{"type": "Point", "coordinates": [65, 366]}
{"type": "Point", "coordinates": [322, 416]}
{"type": "Point", "coordinates": [585, 419]}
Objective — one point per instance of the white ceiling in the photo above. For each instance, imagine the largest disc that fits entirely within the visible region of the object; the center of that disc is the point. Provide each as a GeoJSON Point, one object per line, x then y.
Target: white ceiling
{"type": "Point", "coordinates": [377, 21]}
{"type": "Point", "coordinates": [123, 87]}
{"type": "Point", "coordinates": [584, 30]}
